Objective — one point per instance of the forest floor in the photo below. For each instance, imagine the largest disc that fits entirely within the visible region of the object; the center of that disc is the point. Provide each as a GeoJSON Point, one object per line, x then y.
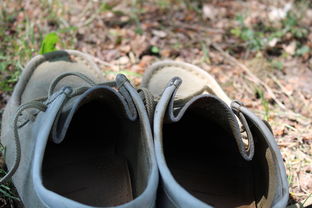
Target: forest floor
{"type": "Point", "coordinates": [260, 51]}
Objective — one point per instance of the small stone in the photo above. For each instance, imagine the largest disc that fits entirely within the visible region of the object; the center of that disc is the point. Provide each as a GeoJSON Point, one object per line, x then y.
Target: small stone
{"type": "Point", "coordinates": [159, 33]}
{"type": "Point", "coordinates": [124, 60]}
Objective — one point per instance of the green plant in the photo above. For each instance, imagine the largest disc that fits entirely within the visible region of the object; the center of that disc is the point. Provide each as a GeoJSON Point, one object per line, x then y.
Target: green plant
{"type": "Point", "coordinates": [155, 50]}
{"type": "Point", "coordinates": [106, 7]}
{"type": "Point", "coordinates": [24, 39]}
{"type": "Point", "coordinates": [205, 51]}
{"type": "Point", "coordinates": [194, 6]}
{"type": "Point", "coordinates": [291, 25]}
{"type": "Point", "coordinates": [255, 40]}
{"type": "Point", "coordinates": [265, 104]}
{"type": "Point", "coordinates": [277, 65]}
{"type": "Point", "coordinates": [136, 10]}
{"type": "Point", "coordinates": [6, 85]}
{"type": "Point", "coordinates": [9, 67]}
{"type": "Point", "coordinates": [6, 189]}
{"type": "Point", "coordinates": [290, 179]}
{"type": "Point", "coordinates": [258, 37]}
{"type": "Point", "coordinates": [302, 50]}
{"type": "Point", "coordinates": [164, 4]}
{"type": "Point", "coordinates": [49, 43]}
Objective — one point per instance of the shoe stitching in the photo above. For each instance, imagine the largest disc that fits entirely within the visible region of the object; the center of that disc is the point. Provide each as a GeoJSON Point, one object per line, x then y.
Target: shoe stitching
{"type": "Point", "coordinates": [187, 68]}
{"type": "Point", "coordinates": [56, 56]}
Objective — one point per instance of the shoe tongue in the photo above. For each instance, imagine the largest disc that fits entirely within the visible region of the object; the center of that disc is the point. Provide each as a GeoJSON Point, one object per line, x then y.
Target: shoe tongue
{"type": "Point", "coordinates": [159, 74]}
{"type": "Point", "coordinates": [100, 93]}
{"type": "Point", "coordinates": [195, 81]}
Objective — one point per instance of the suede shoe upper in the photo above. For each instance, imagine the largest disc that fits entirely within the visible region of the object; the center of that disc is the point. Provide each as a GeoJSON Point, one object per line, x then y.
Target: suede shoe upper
{"type": "Point", "coordinates": [73, 143]}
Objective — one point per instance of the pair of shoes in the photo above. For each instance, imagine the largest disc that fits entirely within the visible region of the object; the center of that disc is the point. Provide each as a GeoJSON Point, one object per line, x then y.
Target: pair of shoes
{"type": "Point", "coordinates": [73, 139]}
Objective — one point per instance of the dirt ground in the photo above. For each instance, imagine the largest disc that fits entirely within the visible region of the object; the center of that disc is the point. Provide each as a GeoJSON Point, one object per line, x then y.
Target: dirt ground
{"type": "Point", "coordinates": [260, 51]}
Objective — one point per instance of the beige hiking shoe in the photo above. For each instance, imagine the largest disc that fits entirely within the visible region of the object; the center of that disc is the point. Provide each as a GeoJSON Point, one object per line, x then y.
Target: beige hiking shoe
{"type": "Point", "coordinates": [201, 154]}
{"type": "Point", "coordinates": [73, 140]}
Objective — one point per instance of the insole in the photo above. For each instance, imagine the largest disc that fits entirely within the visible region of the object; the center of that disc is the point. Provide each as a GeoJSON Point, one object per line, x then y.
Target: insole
{"type": "Point", "coordinates": [204, 159]}
{"type": "Point", "coordinates": [229, 188]}
{"type": "Point", "coordinates": [88, 166]}
{"type": "Point", "coordinates": [97, 178]}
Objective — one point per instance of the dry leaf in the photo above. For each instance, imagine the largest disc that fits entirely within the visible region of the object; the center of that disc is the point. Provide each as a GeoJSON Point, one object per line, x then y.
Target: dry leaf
{"type": "Point", "coordinates": [273, 42]}
{"type": "Point", "coordinates": [277, 14]}
{"type": "Point", "coordinates": [209, 12]}
{"type": "Point", "coordinates": [291, 48]}
{"type": "Point", "coordinates": [159, 33]}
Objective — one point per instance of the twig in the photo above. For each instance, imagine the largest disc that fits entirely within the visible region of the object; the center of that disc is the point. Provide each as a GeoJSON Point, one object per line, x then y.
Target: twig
{"type": "Point", "coordinates": [104, 62]}
{"type": "Point", "coordinates": [85, 10]}
{"type": "Point", "coordinates": [290, 127]}
{"type": "Point", "coordinates": [101, 61]}
{"type": "Point", "coordinates": [305, 102]}
{"type": "Point", "coordinates": [294, 116]}
{"type": "Point", "coordinates": [286, 92]}
{"type": "Point", "coordinates": [196, 28]}
{"type": "Point", "coordinates": [89, 20]}
{"type": "Point", "coordinates": [255, 79]}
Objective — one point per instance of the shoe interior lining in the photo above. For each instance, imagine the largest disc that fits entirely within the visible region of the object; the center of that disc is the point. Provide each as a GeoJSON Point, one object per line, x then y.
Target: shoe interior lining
{"type": "Point", "coordinates": [204, 159]}
{"type": "Point", "coordinates": [98, 162]}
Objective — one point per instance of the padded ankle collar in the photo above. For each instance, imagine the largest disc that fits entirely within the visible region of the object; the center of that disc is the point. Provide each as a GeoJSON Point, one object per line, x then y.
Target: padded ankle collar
{"type": "Point", "coordinates": [103, 93]}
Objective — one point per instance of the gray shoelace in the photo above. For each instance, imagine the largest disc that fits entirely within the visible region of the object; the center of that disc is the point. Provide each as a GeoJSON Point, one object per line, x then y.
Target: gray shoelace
{"type": "Point", "coordinates": [247, 151]}
{"type": "Point", "coordinates": [149, 102]}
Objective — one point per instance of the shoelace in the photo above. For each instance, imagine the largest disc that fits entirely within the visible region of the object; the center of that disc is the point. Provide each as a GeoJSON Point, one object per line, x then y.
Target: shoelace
{"type": "Point", "coordinates": [41, 104]}
{"type": "Point", "coordinates": [246, 151]}
{"type": "Point", "coordinates": [149, 102]}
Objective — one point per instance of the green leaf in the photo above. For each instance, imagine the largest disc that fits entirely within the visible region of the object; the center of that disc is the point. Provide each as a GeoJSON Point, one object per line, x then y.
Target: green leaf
{"type": "Point", "coordinates": [155, 50]}
{"type": "Point", "coordinates": [49, 42]}
{"type": "Point", "coordinates": [299, 32]}
{"type": "Point", "coordinates": [302, 50]}
{"type": "Point", "coordinates": [236, 32]}
{"type": "Point", "coordinates": [277, 34]}
{"type": "Point", "coordinates": [290, 21]}
{"type": "Point", "coordinates": [247, 34]}
{"type": "Point", "coordinates": [277, 65]}
{"type": "Point", "coordinates": [105, 7]}
{"type": "Point", "coordinates": [240, 19]}
{"type": "Point", "coordinates": [138, 30]}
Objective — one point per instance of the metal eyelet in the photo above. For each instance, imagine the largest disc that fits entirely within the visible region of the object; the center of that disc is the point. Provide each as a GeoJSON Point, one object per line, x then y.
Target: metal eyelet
{"type": "Point", "coordinates": [67, 90]}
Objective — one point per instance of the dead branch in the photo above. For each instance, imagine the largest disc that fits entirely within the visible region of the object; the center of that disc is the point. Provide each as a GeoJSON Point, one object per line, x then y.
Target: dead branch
{"type": "Point", "coordinates": [253, 77]}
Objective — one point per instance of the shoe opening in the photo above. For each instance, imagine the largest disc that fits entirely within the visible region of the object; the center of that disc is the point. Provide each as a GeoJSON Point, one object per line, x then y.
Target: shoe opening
{"type": "Point", "coordinates": [204, 159]}
{"type": "Point", "coordinates": [101, 160]}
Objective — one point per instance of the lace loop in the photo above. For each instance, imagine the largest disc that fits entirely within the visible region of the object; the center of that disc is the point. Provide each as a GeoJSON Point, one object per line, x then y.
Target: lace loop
{"type": "Point", "coordinates": [148, 100]}
{"type": "Point", "coordinates": [62, 76]}
{"type": "Point", "coordinates": [33, 104]}
{"type": "Point", "coordinates": [246, 152]}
